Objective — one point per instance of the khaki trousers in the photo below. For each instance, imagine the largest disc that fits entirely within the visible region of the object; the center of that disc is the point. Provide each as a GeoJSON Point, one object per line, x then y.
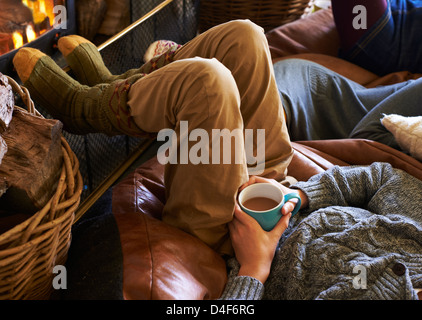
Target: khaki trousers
{"type": "Point", "coordinates": [222, 79]}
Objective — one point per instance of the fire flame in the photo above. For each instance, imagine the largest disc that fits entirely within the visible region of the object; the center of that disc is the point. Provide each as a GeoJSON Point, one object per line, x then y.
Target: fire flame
{"type": "Point", "coordinates": [17, 39]}
{"type": "Point", "coordinates": [30, 33]}
{"type": "Point", "coordinates": [41, 10]}
{"type": "Point", "coordinates": [43, 21]}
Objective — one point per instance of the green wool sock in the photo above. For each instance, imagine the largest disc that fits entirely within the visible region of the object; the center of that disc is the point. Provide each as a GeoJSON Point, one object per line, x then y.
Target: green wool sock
{"type": "Point", "coordinates": [85, 60]}
{"type": "Point", "coordinates": [82, 109]}
{"type": "Point", "coordinates": [88, 66]}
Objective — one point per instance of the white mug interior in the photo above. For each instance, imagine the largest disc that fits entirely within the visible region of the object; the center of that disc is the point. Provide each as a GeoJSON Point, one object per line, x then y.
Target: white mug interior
{"type": "Point", "coordinates": [266, 190]}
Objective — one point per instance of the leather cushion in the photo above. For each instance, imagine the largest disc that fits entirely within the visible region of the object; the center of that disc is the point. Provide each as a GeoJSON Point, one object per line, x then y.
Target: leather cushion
{"type": "Point", "coordinates": [160, 261]}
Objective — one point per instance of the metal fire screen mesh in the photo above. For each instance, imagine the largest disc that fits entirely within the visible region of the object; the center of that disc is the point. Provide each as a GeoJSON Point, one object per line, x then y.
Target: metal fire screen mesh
{"type": "Point", "coordinates": [99, 154]}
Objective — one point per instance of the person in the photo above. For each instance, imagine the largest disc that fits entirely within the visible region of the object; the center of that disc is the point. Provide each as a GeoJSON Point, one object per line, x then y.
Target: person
{"type": "Point", "coordinates": [320, 104]}
{"type": "Point", "coordinates": [358, 236]}
{"type": "Point", "coordinates": [382, 36]}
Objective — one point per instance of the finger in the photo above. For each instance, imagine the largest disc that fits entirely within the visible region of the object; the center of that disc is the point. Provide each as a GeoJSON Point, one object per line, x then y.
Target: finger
{"type": "Point", "coordinates": [233, 224]}
{"type": "Point", "coordinates": [288, 207]}
{"type": "Point", "coordinates": [237, 209]}
{"type": "Point", "coordinates": [242, 216]}
{"type": "Point", "coordinates": [281, 226]}
{"type": "Point", "coordinates": [259, 179]}
{"type": "Point", "coordinates": [252, 180]}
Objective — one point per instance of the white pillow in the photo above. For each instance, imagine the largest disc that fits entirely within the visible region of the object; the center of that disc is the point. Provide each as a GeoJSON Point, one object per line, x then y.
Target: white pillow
{"type": "Point", "coordinates": [407, 131]}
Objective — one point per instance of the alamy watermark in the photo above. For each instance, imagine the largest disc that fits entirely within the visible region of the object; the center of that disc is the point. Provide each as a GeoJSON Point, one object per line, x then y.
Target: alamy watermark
{"type": "Point", "coordinates": [360, 280]}
{"type": "Point", "coordinates": [361, 18]}
{"type": "Point", "coordinates": [60, 19]}
{"type": "Point", "coordinates": [220, 146]}
{"type": "Point", "coordinates": [60, 280]}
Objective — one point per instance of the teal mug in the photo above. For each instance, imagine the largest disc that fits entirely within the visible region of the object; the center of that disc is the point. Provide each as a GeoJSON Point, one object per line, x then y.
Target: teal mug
{"type": "Point", "coordinates": [263, 201]}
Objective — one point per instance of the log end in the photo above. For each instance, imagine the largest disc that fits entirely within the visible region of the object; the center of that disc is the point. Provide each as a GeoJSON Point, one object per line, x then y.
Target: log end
{"type": "Point", "coordinates": [7, 103]}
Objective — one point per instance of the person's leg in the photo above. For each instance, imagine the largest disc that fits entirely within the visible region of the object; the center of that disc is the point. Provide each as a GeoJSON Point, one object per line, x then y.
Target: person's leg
{"type": "Point", "coordinates": [81, 109]}
{"type": "Point", "coordinates": [390, 44]}
{"type": "Point", "coordinates": [212, 189]}
{"type": "Point", "coordinates": [344, 16]}
{"type": "Point", "coordinates": [87, 64]}
{"type": "Point", "coordinates": [239, 45]}
{"type": "Point", "coordinates": [405, 99]}
{"type": "Point", "coordinates": [155, 102]}
{"type": "Point", "coordinates": [202, 92]}
{"type": "Point", "coordinates": [243, 48]}
{"type": "Point", "coordinates": [321, 104]}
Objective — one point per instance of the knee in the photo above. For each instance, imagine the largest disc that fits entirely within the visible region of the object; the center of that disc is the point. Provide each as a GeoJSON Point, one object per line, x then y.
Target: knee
{"type": "Point", "coordinates": [246, 32]}
{"type": "Point", "coordinates": [209, 85]}
{"type": "Point", "coordinates": [246, 28]}
{"type": "Point", "coordinates": [290, 67]}
{"type": "Point", "coordinates": [216, 78]}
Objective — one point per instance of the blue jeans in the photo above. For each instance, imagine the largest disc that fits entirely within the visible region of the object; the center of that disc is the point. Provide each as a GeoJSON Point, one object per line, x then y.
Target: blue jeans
{"type": "Point", "coordinates": [321, 104]}
{"type": "Point", "coordinates": [393, 43]}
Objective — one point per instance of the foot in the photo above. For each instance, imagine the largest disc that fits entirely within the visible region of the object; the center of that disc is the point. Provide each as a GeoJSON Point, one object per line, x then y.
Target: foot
{"type": "Point", "coordinates": [49, 86]}
{"type": "Point", "coordinates": [85, 60]}
{"type": "Point", "coordinates": [81, 109]}
{"type": "Point", "coordinates": [158, 48]}
{"type": "Point", "coordinates": [88, 66]}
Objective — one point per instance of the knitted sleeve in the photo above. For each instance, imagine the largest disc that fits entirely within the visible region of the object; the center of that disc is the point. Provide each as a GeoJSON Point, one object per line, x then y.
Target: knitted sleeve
{"type": "Point", "coordinates": [360, 187]}
{"type": "Point", "coordinates": [243, 288]}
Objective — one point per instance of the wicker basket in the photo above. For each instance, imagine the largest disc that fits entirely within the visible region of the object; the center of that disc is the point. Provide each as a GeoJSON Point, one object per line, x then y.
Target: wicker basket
{"type": "Point", "coordinates": [30, 250]}
{"type": "Point", "coordinates": [269, 14]}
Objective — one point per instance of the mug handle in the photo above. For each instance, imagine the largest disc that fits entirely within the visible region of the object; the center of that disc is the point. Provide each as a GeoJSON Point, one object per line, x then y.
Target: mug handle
{"type": "Point", "coordinates": [290, 196]}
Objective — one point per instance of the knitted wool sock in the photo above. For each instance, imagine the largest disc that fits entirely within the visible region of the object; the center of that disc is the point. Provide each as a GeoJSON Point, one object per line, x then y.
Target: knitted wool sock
{"type": "Point", "coordinates": [82, 109]}
{"type": "Point", "coordinates": [84, 59]}
{"type": "Point", "coordinates": [159, 47]}
{"type": "Point", "coordinates": [88, 66]}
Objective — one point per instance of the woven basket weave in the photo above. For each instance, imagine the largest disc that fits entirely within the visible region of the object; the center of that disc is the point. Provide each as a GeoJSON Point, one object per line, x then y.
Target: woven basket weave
{"type": "Point", "coordinates": [30, 250]}
{"type": "Point", "coordinates": [269, 14]}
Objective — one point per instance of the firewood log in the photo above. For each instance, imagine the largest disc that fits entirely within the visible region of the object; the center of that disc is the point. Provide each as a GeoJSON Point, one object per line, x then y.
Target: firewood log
{"type": "Point", "coordinates": [33, 162]}
{"type": "Point", "coordinates": [3, 150]}
{"type": "Point", "coordinates": [14, 16]}
{"type": "Point", "coordinates": [7, 103]}
{"type": "Point", "coordinates": [5, 42]}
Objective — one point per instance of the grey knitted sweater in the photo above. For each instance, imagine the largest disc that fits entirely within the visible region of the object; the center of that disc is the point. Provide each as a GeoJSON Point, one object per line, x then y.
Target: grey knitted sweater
{"type": "Point", "coordinates": [360, 238]}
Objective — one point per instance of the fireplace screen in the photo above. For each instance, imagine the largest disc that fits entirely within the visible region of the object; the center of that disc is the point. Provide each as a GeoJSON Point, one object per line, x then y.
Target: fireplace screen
{"type": "Point", "coordinates": [99, 155]}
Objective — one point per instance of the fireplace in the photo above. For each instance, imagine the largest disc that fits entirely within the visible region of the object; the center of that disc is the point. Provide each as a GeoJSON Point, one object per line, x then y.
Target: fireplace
{"type": "Point", "coordinates": [104, 159]}
{"type": "Point", "coordinates": [34, 23]}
